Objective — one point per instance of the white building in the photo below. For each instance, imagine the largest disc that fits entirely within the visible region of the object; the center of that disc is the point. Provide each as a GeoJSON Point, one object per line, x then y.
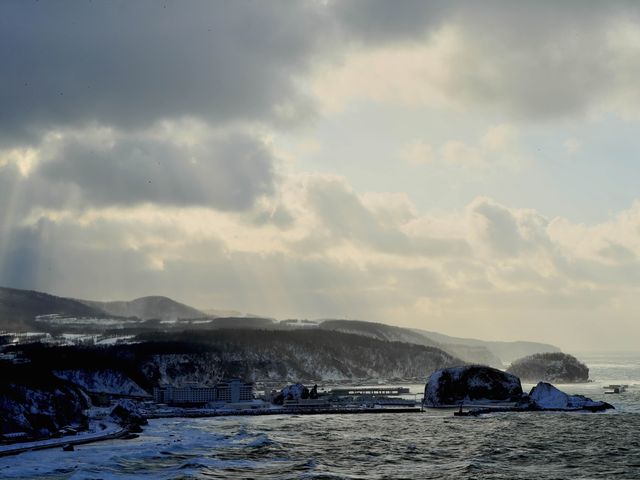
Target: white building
{"type": "Point", "coordinates": [227, 391]}
{"type": "Point", "coordinates": [234, 391]}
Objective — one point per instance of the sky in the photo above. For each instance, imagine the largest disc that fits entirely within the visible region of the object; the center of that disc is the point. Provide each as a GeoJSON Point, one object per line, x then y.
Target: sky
{"type": "Point", "coordinates": [463, 167]}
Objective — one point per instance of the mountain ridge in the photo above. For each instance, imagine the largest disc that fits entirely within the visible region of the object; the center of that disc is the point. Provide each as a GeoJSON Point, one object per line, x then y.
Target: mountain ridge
{"type": "Point", "coordinates": [148, 308]}
{"type": "Point", "coordinates": [18, 309]}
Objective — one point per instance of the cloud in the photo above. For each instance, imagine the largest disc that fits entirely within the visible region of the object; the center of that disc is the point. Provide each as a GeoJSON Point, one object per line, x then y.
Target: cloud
{"type": "Point", "coordinates": [99, 166]}
{"type": "Point", "coordinates": [378, 21]}
{"type": "Point", "coordinates": [524, 61]}
{"type": "Point", "coordinates": [497, 147]}
{"type": "Point", "coordinates": [418, 153]}
{"type": "Point", "coordinates": [572, 145]}
{"type": "Point", "coordinates": [379, 259]}
{"type": "Point", "coordinates": [132, 147]}
{"type": "Point", "coordinates": [343, 216]}
{"type": "Point", "coordinates": [130, 64]}
{"type": "Point", "coordinates": [505, 232]}
{"type": "Point", "coordinates": [226, 173]}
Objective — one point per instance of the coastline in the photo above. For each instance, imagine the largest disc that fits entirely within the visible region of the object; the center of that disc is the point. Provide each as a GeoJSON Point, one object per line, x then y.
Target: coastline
{"type": "Point", "coordinates": [17, 448]}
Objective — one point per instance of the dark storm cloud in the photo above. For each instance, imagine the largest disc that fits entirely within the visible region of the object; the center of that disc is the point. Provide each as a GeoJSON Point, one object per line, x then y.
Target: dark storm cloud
{"type": "Point", "coordinates": [223, 172]}
{"type": "Point", "coordinates": [130, 63]}
{"type": "Point", "coordinates": [379, 21]}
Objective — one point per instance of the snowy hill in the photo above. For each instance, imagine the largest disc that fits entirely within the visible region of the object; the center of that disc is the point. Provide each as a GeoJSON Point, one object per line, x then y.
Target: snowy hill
{"type": "Point", "coordinates": [506, 351]}
{"type": "Point", "coordinates": [380, 331]}
{"type": "Point", "coordinates": [147, 308]}
{"type": "Point", "coordinates": [469, 353]}
{"type": "Point", "coordinates": [18, 308]}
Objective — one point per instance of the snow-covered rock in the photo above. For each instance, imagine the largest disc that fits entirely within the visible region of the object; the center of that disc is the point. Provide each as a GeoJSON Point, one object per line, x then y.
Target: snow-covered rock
{"type": "Point", "coordinates": [469, 384]}
{"type": "Point", "coordinates": [545, 396]}
{"type": "Point", "coordinates": [127, 413]}
{"type": "Point", "coordinates": [296, 391]}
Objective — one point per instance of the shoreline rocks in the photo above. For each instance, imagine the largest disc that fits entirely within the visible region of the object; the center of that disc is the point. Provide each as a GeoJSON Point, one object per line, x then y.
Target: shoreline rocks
{"type": "Point", "coordinates": [545, 396]}
{"type": "Point", "coordinates": [451, 386]}
{"type": "Point", "coordinates": [486, 386]}
{"type": "Point", "coordinates": [127, 414]}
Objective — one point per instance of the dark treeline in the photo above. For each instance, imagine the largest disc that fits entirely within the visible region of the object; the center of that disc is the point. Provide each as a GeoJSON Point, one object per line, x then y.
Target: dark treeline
{"type": "Point", "coordinates": [252, 354]}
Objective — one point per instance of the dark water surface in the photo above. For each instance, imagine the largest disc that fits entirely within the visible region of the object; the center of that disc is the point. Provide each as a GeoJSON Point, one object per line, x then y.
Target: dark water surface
{"type": "Point", "coordinates": [433, 444]}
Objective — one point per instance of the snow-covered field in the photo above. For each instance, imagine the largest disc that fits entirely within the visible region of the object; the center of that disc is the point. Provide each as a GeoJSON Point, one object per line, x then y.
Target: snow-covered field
{"type": "Point", "coordinates": [68, 338]}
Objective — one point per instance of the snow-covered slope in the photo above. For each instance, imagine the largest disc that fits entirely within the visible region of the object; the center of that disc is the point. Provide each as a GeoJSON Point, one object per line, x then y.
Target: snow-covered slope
{"type": "Point", "coordinates": [146, 308]}
{"type": "Point", "coordinates": [103, 381]}
{"type": "Point", "coordinates": [18, 308]}
{"type": "Point", "coordinates": [469, 353]}
{"type": "Point", "coordinates": [38, 404]}
{"type": "Point", "coordinates": [380, 331]}
{"type": "Point", "coordinates": [298, 355]}
{"type": "Point", "coordinates": [506, 351]}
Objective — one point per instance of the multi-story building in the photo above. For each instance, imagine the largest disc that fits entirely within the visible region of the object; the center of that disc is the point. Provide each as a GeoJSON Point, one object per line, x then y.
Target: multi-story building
{"type": "Point", "coordinates": [234, 391]}
{"type": "Point", "coordinates": [227, 391]}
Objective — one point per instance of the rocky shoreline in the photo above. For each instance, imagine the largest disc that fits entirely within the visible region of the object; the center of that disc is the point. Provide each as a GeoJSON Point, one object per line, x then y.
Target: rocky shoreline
{"type": "Point", "coordinates": [492, 390]}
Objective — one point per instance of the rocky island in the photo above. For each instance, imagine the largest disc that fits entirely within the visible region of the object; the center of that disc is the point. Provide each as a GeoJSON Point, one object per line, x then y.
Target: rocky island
{"type": "Point", "coordinates": [473, 383]}
{"type": "Point", "coordinates": [480, 386]}
{"type": "Point", "coordinates": [550, 367]}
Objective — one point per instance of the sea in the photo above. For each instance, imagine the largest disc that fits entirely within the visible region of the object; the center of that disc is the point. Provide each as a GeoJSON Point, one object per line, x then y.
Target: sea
{"type": "Point", "coordinates": [429, 445]}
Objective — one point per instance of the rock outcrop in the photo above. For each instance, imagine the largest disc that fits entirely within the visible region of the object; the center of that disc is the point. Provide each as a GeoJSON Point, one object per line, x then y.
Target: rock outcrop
{"type": "Point", "coordinates": [480, 385]}
{"type": "Point", "coordinates": [297, 391]}
{"type": "Point", "coordinates": [127, 414]}
{"type": "Point", "coordinates": [550, 367]}
{"type": "Point", "coordinates": [545, 396]}
{"type": "Point", "coordinates": [469, 384]}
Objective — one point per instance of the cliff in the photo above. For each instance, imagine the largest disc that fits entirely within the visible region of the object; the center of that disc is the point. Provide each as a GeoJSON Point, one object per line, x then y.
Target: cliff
{"type": "Point", "coordinates": [34, 401]}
